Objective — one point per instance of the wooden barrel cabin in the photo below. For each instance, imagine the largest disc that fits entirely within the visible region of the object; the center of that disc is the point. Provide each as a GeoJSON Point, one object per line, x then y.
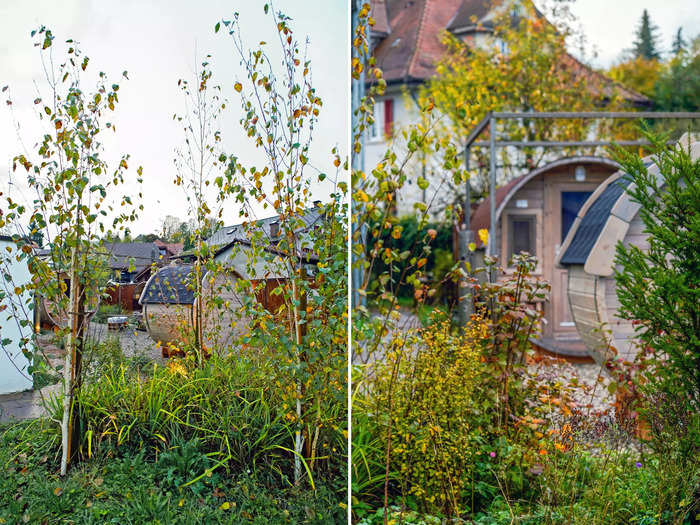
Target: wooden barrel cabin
{"type": "Point", "coordinates": [608, 216]}
{"type": "Point", "coordinates": [50, 313]}
{"type": "Point", "coordinates": [169, 308]}
{"type": "Point", "coordinates": [534, 213]}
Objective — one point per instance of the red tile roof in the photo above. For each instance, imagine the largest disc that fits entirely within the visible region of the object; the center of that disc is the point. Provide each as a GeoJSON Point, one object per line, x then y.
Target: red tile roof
{"type": "Point", "coordinates": [381, 26]}
{"type": "Point", "coordinates": [470, 13]}
{"type": "Point", "coordinates": [173, 248]}
{"type": "Point", "coordinates": [413, 43]}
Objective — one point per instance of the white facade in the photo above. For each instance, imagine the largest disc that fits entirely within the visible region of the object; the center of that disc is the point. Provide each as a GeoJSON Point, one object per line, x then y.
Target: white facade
{"type": "Point", "coordinates": [405, 114]}
{"type": "Point", "coordinates": [14, 375]}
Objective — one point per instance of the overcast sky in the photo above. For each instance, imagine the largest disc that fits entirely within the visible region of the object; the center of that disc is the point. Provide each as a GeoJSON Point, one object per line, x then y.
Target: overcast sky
{"type": "Point", "coordinates": [155, 41]}
{"type": "Point", "coordinates": [609, 25]}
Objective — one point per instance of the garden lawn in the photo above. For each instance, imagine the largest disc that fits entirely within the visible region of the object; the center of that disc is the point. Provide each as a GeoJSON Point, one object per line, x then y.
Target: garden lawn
{"type": "Point", "coordinates": [133, 488]}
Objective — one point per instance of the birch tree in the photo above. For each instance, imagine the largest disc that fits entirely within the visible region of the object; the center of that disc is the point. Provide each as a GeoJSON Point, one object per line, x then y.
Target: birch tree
{"type": "Point", "coordinates": [280, 109]}
{"type": "Point", "coordinates": [76, 200]}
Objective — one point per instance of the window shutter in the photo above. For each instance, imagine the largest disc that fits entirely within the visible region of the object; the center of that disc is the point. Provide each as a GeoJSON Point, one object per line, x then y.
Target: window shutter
{"type": "Point", "coordinates": [389, 117]}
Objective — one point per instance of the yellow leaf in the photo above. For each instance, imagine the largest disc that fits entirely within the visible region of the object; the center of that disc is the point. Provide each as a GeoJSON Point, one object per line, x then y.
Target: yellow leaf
{"type": "Point", "coordinates": [238, 87]}
{"type": "Point", "coordinates": [484, 235]}
{"type": "Point", "coordinates": [58, 491]}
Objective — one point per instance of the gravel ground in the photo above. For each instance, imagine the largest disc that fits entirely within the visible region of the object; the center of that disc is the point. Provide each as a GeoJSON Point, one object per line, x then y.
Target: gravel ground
{"type": "Point", "coordinates": [132, 341]}
{"type": "Point", "coordinates": [591, 395]}
{"type": "Point", "coordinates": [29, 404]}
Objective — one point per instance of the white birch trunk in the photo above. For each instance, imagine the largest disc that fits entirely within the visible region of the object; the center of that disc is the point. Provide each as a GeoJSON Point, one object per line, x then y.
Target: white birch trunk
{"type": "Point", "coordinates": [298, 438]}
{"type": "Point", "coordinates": [68, 368]}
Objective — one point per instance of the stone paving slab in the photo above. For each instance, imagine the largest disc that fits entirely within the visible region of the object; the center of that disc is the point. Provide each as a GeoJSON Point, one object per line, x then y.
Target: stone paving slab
{"type": "Point", "coordinates": [26, 405]}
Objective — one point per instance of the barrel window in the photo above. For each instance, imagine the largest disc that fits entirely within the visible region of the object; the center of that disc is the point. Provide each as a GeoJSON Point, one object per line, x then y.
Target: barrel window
{"type": "Point", "coordinates": [521, 235]}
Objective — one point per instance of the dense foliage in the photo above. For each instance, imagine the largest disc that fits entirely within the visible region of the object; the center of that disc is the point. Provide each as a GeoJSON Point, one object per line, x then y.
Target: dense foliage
{"type": "Point", "coordinates": [521, 439]}
{"type": "Point", "coordinates": [658, 287]}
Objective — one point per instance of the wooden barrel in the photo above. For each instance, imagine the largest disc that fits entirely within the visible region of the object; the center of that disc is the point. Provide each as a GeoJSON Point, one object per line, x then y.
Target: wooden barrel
{"type": "Point", "coordinates": [224, 319]}
{"type": "Point", "coordinates": [52, 314]}
{"type": "Point", "coordinates": [166, 302]}
{"type": "Point", "coordinates": [170, 309]}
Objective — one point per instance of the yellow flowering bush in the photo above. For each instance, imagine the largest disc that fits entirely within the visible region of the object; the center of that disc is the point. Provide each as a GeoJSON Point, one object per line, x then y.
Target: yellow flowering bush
{"type": "Point", "coordinates": [423, 394]}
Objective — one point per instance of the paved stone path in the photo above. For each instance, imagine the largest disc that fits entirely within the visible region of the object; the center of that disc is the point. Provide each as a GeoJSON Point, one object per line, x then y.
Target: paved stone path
{"type": "Point", "coordinates": [30, 404]}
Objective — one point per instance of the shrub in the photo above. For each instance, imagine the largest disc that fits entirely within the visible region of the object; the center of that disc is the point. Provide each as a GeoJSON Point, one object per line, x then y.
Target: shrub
{"type": "Point", "coordinates": [658, 288]}
{"type": "Point", "coordinates": [423, 399]}
{"type": "Point", "coordinates": [512, 322]}
{"type": "Point", "coordinates": [413, 239]}
{"type": "Point", "coordinates": [227, 405]}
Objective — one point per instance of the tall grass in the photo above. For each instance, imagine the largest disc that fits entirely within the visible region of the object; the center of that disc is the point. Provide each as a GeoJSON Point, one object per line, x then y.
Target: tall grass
{"type": "Point", "coordinates": [230, 406]}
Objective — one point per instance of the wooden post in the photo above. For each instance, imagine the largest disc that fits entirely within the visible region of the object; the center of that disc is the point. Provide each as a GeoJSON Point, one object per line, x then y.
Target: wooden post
{"type": "Point", "coordinates": [491, 247]}
{"type": "Point", "coordinates": [464, 238]}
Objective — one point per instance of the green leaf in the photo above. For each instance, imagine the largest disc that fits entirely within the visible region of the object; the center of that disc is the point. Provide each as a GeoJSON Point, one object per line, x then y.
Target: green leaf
{"type": "Point", "coordinates": [217, 27]}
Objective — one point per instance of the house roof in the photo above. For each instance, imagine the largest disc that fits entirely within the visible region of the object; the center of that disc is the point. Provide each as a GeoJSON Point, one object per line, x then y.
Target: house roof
{"type": "Point", "coordinates": [481, 218]}
{"type": "Point", "coordinates": [121, 254]}
{"type": "Point", "coordinates": [169, 285]}
{"type": "Point", "coordinates": [470, 13]}
{"type": "Point", "coordinates": [412, 46]}
{"type": "Point", "coordinates": [239, 233]}
{"type": "Point", "coordinates": [381, 27]}
{"type": "Point", "coordinates": [173, 248]}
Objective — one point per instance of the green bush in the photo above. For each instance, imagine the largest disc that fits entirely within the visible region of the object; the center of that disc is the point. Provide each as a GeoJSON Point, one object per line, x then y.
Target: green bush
{"type": "Point", "coordinates": [105, 311]}
{"type": "Point", "coordinates": [415, 239]}
{"type": "Point", "coordinates": [658, 288]}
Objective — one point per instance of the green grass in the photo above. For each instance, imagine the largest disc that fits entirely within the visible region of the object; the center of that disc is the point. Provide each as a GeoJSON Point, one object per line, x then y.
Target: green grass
{"type": "Point", "coordinates": [128, 486]}
{"type": "Point", "coordinates": [168, 445]}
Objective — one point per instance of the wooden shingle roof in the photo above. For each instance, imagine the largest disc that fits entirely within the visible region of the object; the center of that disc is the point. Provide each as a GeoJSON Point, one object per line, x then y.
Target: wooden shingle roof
{"type": "Point", "coordinates": [593, 221]}
{"type": "Point", "coordinates": [169, 285]}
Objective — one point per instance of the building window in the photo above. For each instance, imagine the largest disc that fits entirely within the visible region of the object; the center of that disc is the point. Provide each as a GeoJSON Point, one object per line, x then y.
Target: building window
{"type": "Point", "coordinates": [522, 235]}
{"type": "Point", "coordinates": [389, 117]}
{"type": "Point", "coordinates": [375, 128]}
{"type": "Point", "coordinates": [383, 125]}
{"type": "Point", "coordinates": [571, 202]}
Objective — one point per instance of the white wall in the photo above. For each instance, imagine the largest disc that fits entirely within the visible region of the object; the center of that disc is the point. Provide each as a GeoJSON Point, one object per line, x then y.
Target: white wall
{"type": "Point", "coordinates": [240, 258]}
{"type": "Point", "coordinates": [405, 114]}
{"type": "Point", "coordinates": [13, 365]}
